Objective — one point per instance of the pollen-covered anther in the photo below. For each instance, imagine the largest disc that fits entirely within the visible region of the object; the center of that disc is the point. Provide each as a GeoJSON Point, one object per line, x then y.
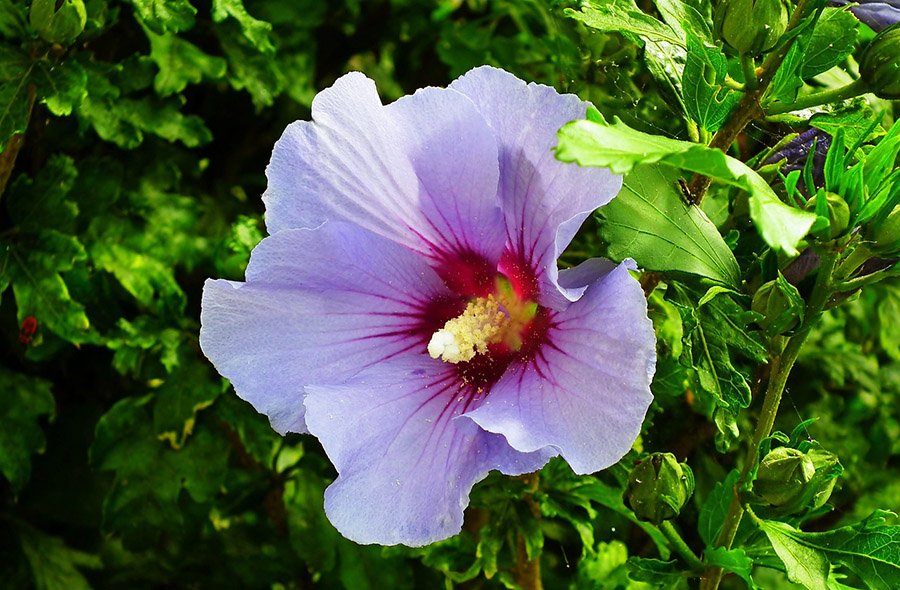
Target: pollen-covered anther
{"type": "Point", "coordinates": [469, 334]}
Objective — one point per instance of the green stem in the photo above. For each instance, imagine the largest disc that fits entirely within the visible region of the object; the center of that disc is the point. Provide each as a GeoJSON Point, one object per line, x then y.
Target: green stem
{"type": "Point", "coordinates": [852, 89]}
{"type": "Point", "coordinates": [748, 109]}
{"type": "Point", "coordinates": [748, 65]}
{"type": "Point", "coordinates": [875, 277]}
{"type": "Point", "coordinates": [679, 545]}
{"type": "Point", "coordinates": [781, 366]}
{"type": "Point", "coordinates": [853, 261]}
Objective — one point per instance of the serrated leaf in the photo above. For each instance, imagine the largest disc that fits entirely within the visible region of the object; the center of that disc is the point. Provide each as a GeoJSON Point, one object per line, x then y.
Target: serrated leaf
{"type": "Point", "coordinates": [664, 47]}
{"type": "Point", "coordinates": [34, 265]}
{"type": "Point", "coordinates": [853, 120]}
{"type": "Point", "coordinates": [251, 71]}
{"type": "Point", "coordinates": [687, 16]}
{"type": "Point", "coordinates": [23, 402]}
{"type": "Point", "coordinates": [150, 281]}
{"type": "Point", "coordinates": [623, 16]}
{"type": "Point", "coordinates": [650, 222]}
{"type": "Point", "coordinates": [871, 549]}
{"type": "Point", "coordinates": [621, 148]}
{"type": "Point", "coordinates": [62, 86]}
{"type": "Point", "coordinates": [166, 15]}
{"type": "Point", "coordinates": [180, 63]}
{"type": "Point", "coordinates": [257, 32]}
{"type": "Point", "coordinates": [706, 99]}
{"type": "Point", "coordinates": [832, 40]}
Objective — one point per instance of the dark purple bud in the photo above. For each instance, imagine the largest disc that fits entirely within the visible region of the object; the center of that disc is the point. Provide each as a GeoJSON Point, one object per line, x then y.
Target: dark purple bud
{"type": "Point", "coordinates": [797, 150]}
{"type": "Point", "coordinates": [878, 14]}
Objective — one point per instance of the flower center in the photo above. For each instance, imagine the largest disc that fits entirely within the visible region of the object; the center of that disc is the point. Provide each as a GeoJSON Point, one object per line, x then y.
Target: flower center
{"type": "Point", "coordinates": [498, 319]}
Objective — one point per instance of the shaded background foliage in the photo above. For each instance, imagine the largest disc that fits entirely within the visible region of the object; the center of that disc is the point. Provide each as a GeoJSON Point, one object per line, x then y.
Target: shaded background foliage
{"type": "Point", "coordinates": [127, 462]}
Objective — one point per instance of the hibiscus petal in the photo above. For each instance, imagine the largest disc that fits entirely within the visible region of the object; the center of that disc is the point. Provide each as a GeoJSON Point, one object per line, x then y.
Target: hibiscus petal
{"type": "Point", "coordinates": [318, 305]}
{"type": "Point", "coordinates": [587, 389]}
{"type": "Point", "coordinates": [406, 462]}
{"type": "Point", "coordinates": [545, 201]}
{"type": "Point", "coordinates": [422, 171]}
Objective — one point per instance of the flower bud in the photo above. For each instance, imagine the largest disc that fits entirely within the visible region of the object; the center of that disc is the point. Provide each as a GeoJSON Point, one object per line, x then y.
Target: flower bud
{"type": "Point", "coordinates": [58, 21]}
{"type": "Point", "coordinates": [838, 216]}
{"type": "Point", "coordinates": [783, 475]}
{"type": "Point", "coordinates": [879, 67]}
{"type": "Point", "coordinates": [659, 487]}
{"type": "Point", "coordinates": [770, 302]}
{"type": "Point", "coordinates": [886, 233]}
{"type": "Point", "coordinates": [751, 26]}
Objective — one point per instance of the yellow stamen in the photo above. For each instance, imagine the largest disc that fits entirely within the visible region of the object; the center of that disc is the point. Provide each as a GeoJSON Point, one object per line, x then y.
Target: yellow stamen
{"type": "Point", "coordinates": [463, 337]}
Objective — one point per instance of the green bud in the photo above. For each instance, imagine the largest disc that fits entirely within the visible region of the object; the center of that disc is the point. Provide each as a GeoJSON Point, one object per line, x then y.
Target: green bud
{"type": "Point", "coordinates": [886, 233]}
{"type": "Point", "coordinates": [828, 468]}
{"type": "Point", "coordinates": [838, 216]}
{"type": "Point", "coordinates": [770, 302]}
{"type": "Point", "coordinates": [58, 21]}
{"type": "Point", "coordinates": [659, 487]}
{"type": "Point", "coordinates": [783, 475]}
{"type": "Point", "coordinates": [751, 26]}
{"type": "Point", "coordinates": [879, 67]}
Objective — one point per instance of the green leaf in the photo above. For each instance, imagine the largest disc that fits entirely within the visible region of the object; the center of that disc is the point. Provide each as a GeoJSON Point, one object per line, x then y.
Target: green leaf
{"type": "Point", "coordinates": [180, 63]}
{"type": "Point", "coordinates": [658, 573]}
{"type": "Point", "coordinates": [715, 507]}
{"type": "Point", "coordinates": [150, 281]}
{"type": "Point", "coordinates": [623, 16]}
{"type": "Point", "coordinates": [620, 148]}
{"type": "Point", "coordinates": [24, 401]}
{"type": "Point", "coordinates": [184, 393]}
{"type": "Point", "coordinates": [805, 565]}
{"type": "Point", "coordinates": [256, 31]}
{"type": "Point", "coordinates": [853, 120]}
{"type": "Point", "coordinates": [12, 19]}
{"type": "Point", "coordinates": [687, 16]}
{"type": "Point", "coordinates": [787, 81]}
{"type": "Point", "coordinates": [55, 565]}
{"type": "Point", "coordinates": [166, 15]}
{"type": "Point", "coordinates": [650, 222]}
{"type": "Point", "coordinates": [706, 99]}
{"type": "Point", "coordinates": [43, 203]}
{"type": "Point", "coordinates": [62, 87]}
{"type": "Point", "coordinates": [124, 121]}
{"type": "Point", "coordinates": [732, 560]}
{"type": "Point", "coordinates": [664, 47]}
{"type": "Point", "coordinates": [832, 40]}
{"type": "Point", "coordinates": [15, 72]}
{"type": "Point", "coordinates": [149, 474]}
{"type": "Point", "coordinates": [34, 265]}
{"type": "Point", "coordinates": [252, 71]}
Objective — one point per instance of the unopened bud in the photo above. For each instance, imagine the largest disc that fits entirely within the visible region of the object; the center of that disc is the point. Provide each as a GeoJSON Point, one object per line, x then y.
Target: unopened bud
{"type": "Point", "coordinates": [783, 475]}
{"type": "Point", "coordinates": [879, 67]}
{"type": "Point", "coordinates": [773, 305]}
{"type": "Point", "coordinates": [751, 26]}
{"type": "Point", "coordinates": [659, 487]}
{"type": "Point", "coordinates": [838, 216]}
{"type": "Point", "coordinates": [886, 233]}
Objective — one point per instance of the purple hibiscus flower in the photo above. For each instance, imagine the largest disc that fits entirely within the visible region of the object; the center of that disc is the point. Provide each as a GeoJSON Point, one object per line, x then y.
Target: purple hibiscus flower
{"type": "Point", "coordinates": [878, 14]}
{"type": "Point", "coordinates": [407, 309]}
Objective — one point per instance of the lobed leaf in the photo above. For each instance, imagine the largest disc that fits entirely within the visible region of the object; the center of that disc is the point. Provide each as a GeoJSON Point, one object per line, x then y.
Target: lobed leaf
{"type": "Point", "coordinates": [621, 148]}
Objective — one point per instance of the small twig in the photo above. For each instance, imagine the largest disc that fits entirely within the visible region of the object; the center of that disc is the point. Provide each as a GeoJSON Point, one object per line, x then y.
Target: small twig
{"type": "Point", "coordinates": [678, 544]}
